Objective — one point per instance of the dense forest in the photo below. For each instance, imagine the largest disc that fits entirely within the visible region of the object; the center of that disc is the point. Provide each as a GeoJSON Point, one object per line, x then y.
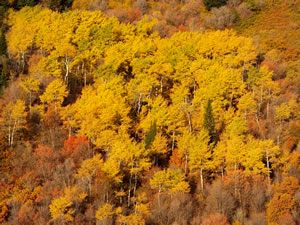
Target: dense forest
{"type": "Point", "coordinates": [159, 112]}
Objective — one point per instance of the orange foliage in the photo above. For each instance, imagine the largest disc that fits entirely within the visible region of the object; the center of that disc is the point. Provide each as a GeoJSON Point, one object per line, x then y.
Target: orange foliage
{"type": "Point", "coordinates": [215, 219]}
{"type": "Point", "coordinates": [33, 62]}
{"type": "Point", "coordinates": [175, 160]}
{"type": "Point", "coordinates": [279, 206]}
{"type": "Point", "coordinates": [134, 14]}
{"type": "Point", "coordinates": [3, 211]}
{"type": "Point", "coordinates": [183, 28]}
{"type": "Point", "coordinates": [26, 214]}
{"type": "Point", "coordinates": [290, 185]}
{"type": "Point", "coordinates": [45, 153]}
{"type": "Point", "coordinates": [46, 160]}
{"type": "Point", "coordinates": [287, 219]}
{"type": "Point", "coordinates": [75, 148]}
{"type": "Point", "coordinates": [57, 192]}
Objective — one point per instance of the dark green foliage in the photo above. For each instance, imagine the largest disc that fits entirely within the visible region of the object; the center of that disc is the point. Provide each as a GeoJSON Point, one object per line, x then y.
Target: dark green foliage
{"type": "Point", "coordinates": [55, 4]}
{"type": "Point", "coordinates": [3, 46]}
{"type": "Point", "coordinates": [150, 136]}
{"type": "Point", "coordinates": [19, 4]}
{"type": "Point", "coordinates": [3, 76]}
{"type": "Point", "coordinates": [209, 122]}
{"type": "Point", "coordinates": [60, 5]}
{"type": "Point", "coordinates": [209, 4]}
{"type": "Point", "coordinates": [3, 8]}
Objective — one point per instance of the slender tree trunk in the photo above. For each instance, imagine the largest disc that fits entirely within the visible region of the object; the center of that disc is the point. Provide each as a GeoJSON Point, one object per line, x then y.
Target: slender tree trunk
{"type": "Point", "coordinates": [67, 71]}
{"type": "Point", "coordinates": [30, 103]}
{"type": "Point", "coordinates": [135, 184]}
{"type": "Point", "coordinates": [222, 173]}
{"type": "Point", "coordinates": [190, 121]}
{"type": "Point", "coordinates": [139, 104]}
{"type": "Point", "coordinates": [23, 62]}
{"type": "Point", "coordinates": [173, 140]}
{"type": "Point", "coordinates": [201, 179]}
{"type": "Point", "coordinates": [150, 93]}
{"type": "Point", "coordinates": [13, 133]}
{"type": "Point", "coordinates": [70, 131]}
{"type": "Point", "coordinates": [121, 190]}
{"type": "Point", "coordinates": [130, 183]}
{"type": "Point", "coordinates": [90, 188]}
{"type": "Point", "coordinates": [268, 166]}
{"type": "Point", "coordinates": [235, 181]}
{"type": "Point", "coordinates": [261, 100]}
{"type": "Point", "coordinates": [158, 197]}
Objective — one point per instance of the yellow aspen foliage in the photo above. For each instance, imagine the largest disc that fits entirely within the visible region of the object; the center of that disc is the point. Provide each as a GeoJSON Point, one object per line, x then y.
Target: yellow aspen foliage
{"type": "Point", "coordinates": [169, 181]}
{"type": "Point", "coordinates": [90, 166]}
{"type": "Point", "coordinates": [100, 113]}
{"type": "Point", "coordinates": [237, 127]}
{"type": "Point", "coordinates": [200, 155]}
{"type": "Point", "coordinates": [74, 194]}
{"type": "Point", "coordinates": [159, 145]}
{"type": "Point", "coordinates": [67, 115]}
{"type": "Point", "coordinates": [21, 37]}
{"type": "Point", "coordinates": [235, 152]}
{"type": "Point", "coordinates": [55, 93]}
{"type": "Point", "coordinates": [50, 67]}
{"type": "Point", "coordinates": [61, 208]}
{"type": "Point", "coordinates": [31, 86]}
{"type": "Point", "coordinates": [132, 156]}
{"type": "Point", "coordinates": [13, 117]}
{"type": "Point", "coordinates": [185, 143]}
{"type": "Point", "coordinates": [283, 112]}
{"type": "Point", "coordinates": [157, 110]}
{"type": "Point", "coordinates": [131, 219]}
{"type": "Point", "coordinates": [145, 26]}
{"type": "Point", "coordinates": [200, 152]}
{"type": "Point", "coordinates": [142, 207]}
{"type": "Point", "coordinates": [105, 212]}
{"type": "Point", "coordinates": [247, 104]}
{"type": "Point", "coordinates": [88, 170]}
{"type": "Point", "coordinates": [271, 154]}
{"type": "Point", "coordinates": [219, 158]}
{"type": "Point", "coordinates": [254, 155]}
{"type": "Point", "coordinates": [196, 152]}
{"type": "Point", "coordinates": [262, 86]}
{"type": "Point", "coordinates": [112, 170]}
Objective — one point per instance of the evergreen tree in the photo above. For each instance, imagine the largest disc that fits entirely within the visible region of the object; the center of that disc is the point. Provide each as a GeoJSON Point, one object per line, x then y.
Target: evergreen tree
{"type": "Point", "coordinates": [60, 5]}
{"type": "Point", "coordinates": [209, 122]}
{"type": "Point", "coordinates": [3, 77]}
{"type": "Point", "coordinates": [3, 46]}
{"type": "Point", "coordinates": [150, 136]}
{"type": "Point", "coordinates": [19, 4]}
{"type": "Point", "coordinates": [209, 4]}
{"type": "Point", "coordinates": [3, 8]}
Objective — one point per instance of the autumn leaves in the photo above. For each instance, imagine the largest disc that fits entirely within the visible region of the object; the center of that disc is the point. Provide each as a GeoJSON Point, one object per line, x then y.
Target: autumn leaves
{"type": "Point", "coordinates": [139, 99]}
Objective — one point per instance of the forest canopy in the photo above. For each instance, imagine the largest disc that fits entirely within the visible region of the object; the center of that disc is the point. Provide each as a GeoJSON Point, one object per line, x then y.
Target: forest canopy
{"type": "Point", "coordinates": [106, 122]}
